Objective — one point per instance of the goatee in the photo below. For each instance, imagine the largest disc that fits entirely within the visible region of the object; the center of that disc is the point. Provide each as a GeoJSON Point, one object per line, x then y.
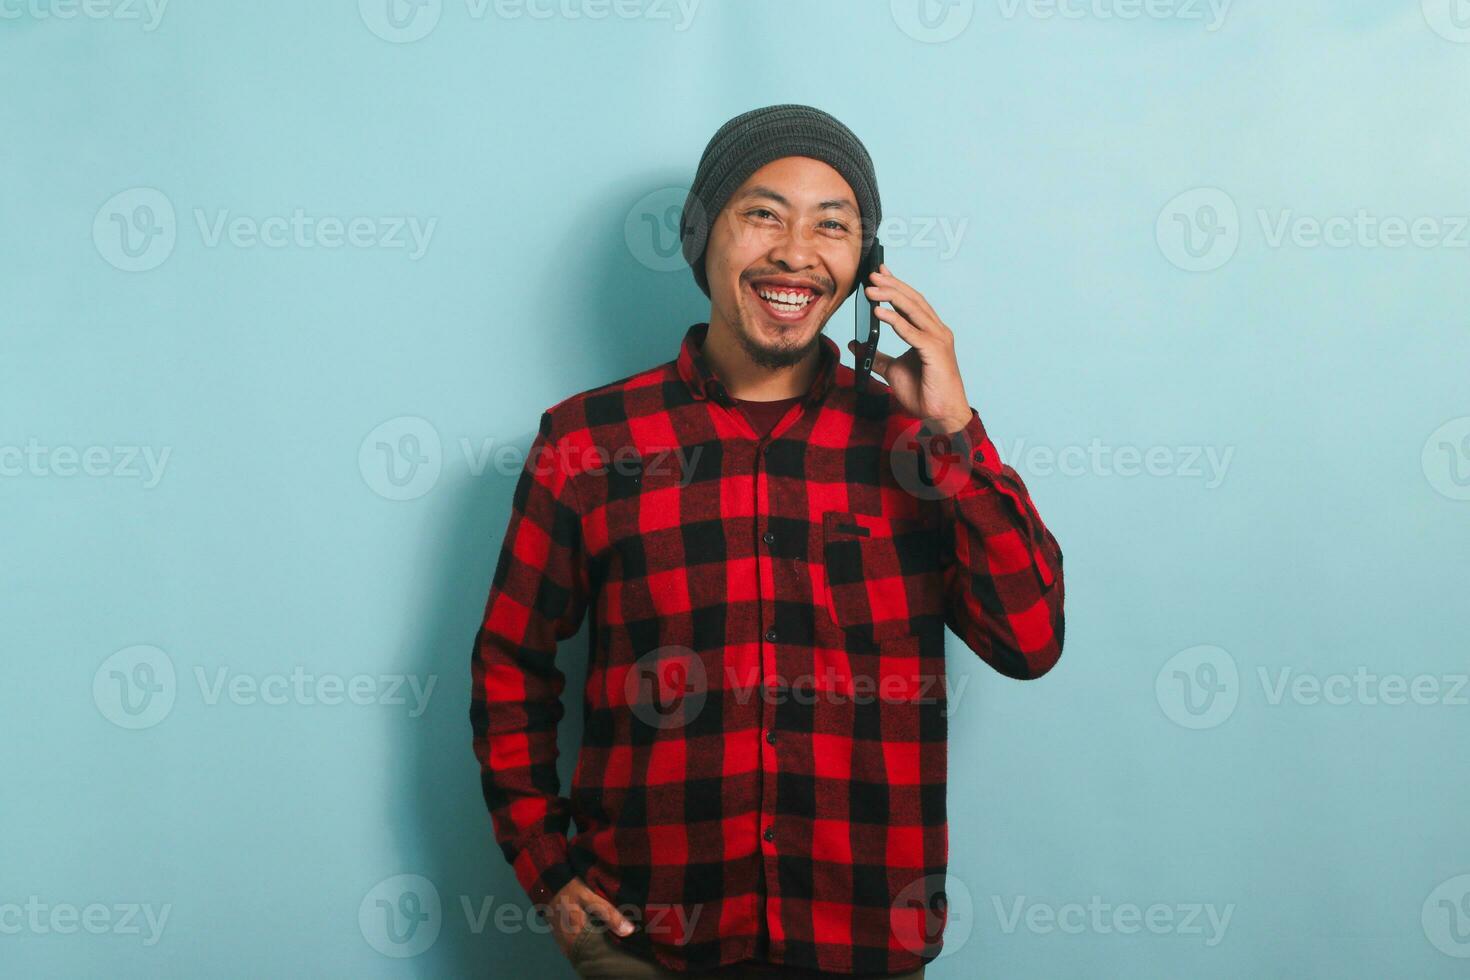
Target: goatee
{"type": "Point", "coordinates": [774, 357]}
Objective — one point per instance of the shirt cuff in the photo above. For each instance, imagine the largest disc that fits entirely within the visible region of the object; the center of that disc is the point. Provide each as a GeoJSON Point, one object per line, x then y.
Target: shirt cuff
{"type": "Point", "coordinates": [542, 868]}
{"type": "Point", "coordinates": [984, 463]}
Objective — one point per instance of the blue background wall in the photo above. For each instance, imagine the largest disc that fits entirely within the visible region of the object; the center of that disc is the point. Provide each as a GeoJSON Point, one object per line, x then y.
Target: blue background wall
{"type": "Point", "coordinates": [1252, 443]}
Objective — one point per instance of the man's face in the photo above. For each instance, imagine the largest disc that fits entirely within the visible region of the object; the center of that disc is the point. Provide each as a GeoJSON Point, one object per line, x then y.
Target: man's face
{"type": "Point", "coordinates": [781, 255]}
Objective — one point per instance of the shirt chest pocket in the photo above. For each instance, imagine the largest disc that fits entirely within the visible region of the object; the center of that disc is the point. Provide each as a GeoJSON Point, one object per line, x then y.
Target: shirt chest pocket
{"type": "Point", "coordinates": [884, 574]}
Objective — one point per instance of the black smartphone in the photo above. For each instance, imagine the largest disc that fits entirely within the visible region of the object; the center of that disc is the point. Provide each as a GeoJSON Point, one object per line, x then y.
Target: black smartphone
{"type": "Point", "coordinates": [865, 330]}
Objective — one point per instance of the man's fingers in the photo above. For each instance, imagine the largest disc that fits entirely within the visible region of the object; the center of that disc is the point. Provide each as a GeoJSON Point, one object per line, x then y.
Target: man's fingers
{"type": "Point", "coordinates": [587, 902]}
{"type": "Point", "coordinates": [917, 307]}
{"type": "Point", "coordinates": [608, 913]}
{"type": "Point", "coordinates": [903, 327]}
{"type": "Point", "coordinates": [567, 916]}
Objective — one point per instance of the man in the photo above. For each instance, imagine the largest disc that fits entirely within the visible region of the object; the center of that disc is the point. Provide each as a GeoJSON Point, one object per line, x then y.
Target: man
{"type": "Point", "coordinates": [770, 548]}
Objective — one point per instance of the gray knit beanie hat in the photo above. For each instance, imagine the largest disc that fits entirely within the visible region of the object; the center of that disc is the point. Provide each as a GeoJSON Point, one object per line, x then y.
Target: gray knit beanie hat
{"type": "Point", "coordinates": [755, 138]}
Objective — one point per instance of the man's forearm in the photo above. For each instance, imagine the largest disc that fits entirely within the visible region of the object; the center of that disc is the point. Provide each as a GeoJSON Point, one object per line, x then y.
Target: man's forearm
{"type": "Point", "coordinates": [1004, 586]}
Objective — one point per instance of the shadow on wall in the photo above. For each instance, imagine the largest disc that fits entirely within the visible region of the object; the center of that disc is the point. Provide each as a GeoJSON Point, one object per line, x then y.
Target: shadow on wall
{"type": "Point", "coordinates": [642, 296]}
{"type": "Point", "coordinates": [635, 307]}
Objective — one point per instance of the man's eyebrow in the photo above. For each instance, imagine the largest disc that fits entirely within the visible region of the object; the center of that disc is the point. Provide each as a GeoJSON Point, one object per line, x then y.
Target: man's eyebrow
{"type": "Point", "coordinates": [836, 204]}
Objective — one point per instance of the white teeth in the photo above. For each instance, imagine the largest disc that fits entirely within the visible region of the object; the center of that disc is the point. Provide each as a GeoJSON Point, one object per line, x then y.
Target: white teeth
{"type": "Point", "coordinates": [785, 300]}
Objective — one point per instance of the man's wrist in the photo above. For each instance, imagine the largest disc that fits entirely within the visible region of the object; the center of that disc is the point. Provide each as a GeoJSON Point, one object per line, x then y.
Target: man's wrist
{"type": "Point", "coordinates": [947, 426]}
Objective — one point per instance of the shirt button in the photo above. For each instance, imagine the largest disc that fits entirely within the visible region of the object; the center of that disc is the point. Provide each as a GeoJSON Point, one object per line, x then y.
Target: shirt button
{"type": "Point", "coordinates": [769, 537]}
{"type": "Point", "coordinates": [766, 448]}
{"type": "Point", "coordinates": [770, 636]}
{"type": "Point", "coordinates": [771, 736]}
{"type": "Point", "coordinates": [770, 833]}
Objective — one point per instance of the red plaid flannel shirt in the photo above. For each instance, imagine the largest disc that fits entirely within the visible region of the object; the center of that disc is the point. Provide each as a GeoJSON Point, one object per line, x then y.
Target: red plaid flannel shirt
{"type": "Point", "coordinates": [763, 766]}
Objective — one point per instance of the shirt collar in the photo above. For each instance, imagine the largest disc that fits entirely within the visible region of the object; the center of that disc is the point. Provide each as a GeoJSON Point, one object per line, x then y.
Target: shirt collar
{"type": "Point", "coordinates": [703, 383]}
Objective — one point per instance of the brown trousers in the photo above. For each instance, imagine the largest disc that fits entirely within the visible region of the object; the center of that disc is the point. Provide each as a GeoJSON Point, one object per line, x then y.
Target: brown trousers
{"type": "Point", "coordinates": [595, 957]}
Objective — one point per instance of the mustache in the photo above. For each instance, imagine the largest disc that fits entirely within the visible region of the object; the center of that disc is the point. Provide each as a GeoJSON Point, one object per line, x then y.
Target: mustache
{"type": "Point", "coordinates": [820, 282]}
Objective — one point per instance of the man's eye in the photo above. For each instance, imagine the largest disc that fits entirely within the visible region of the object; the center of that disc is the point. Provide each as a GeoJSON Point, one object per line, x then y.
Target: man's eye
{"type": "Point", "coordinates": [834, 223]}
{"type": "Point", "coordinates": [757, 212]}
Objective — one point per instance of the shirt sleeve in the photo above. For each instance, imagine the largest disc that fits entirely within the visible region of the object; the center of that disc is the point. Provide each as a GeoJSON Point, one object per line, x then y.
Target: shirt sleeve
{"type": "Point", "coordinates": [1003, 568]}
{"type": "Point", "coordinates": [538, 597]}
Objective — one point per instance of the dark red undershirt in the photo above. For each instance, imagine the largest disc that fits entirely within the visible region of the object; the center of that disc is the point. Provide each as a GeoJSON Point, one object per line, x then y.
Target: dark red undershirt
{"type": "Point", "coordinates": [764, 415]}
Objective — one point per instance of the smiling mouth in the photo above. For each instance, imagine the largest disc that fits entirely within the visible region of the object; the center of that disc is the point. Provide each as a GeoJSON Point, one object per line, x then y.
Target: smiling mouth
{"type": "Point", "coordinates": [787, 304]}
